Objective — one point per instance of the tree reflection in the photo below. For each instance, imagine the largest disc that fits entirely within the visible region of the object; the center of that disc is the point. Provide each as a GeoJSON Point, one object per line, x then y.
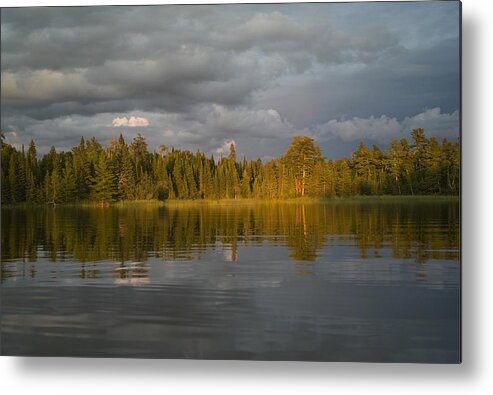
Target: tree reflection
{"type": "Point", "coordinates": [420, 231]}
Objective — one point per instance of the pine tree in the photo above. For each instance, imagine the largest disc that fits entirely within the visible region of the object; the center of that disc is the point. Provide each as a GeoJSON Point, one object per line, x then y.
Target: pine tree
{"type": "Point", "coordinates": [407, 160]}
{"type": "Point", "coordinates": [69, 184]}
{"type": "Point", "coordinates": [344, 180]}
{"type": "Point", "coordinates": [179, 180]}
{"type": "Point", "coordinates": [55, 183]}
{"type": "Point", "coordinates": [232, 180]}
{"type": "Point", "coordinates": [21, 177]}
{"type": "Point", "coordinates": [138, 150]}
{"type": "Point", "coordinates": [451, 166]}
{"type": "Point", "coordinates": [126, 177]}
{"type": "Point", "coordinates": [330, 179]}
{"type": "Point", "coordinates": [12, 180]}
{"type": "Point", "coordinates": [190, 179]}
{"type": "Point", "coordinates": [30, 187]}
{"type": "Point", "coordinates": [362, 163]}
{"type": "Point", "coordinates": [31, 173]}
{"type": "Point", "coordinates": [300, 158]}
{"type": "Point", "coordinates": [394, 166]}
{"type": "Point", "coordinates": [146, 188]}
{"type": "Point", "coordinates": [82, 170]}
{"type": "Point", "coordinates": [103, 187]}
{"type": "Point", "coordinates": [380, 169]}
{"type": "Point", "coordinates": [418, 153]}
{"type": "Point", "coordinates": [245, 183]}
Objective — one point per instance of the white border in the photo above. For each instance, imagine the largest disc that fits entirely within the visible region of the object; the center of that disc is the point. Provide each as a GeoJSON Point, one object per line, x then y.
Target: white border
{"type": "Point", "coordinates": [110, 376]}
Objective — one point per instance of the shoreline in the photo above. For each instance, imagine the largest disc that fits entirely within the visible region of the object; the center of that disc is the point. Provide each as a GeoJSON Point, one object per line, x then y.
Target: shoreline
{"type": "Point", "coordinates": [246, 201]}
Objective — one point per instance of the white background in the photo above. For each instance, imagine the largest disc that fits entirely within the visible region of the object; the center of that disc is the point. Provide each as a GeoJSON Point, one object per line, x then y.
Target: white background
{"type": "Point", "coordinates": [86, 376]}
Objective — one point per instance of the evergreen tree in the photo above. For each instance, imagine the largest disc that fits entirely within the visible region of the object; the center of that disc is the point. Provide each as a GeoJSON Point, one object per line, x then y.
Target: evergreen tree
{"type": "Point", "coordinates": [13, 181]}
{"type": "Point", "coordinates": [146, 189]}
{"type": "Point", "coordinates": [451, 166]}
{"type": "Point", "coordinates": [395, 166]}
{"type": "Point", "coordinates": [179, 180]}
{"type": "Point", "coordinates": [31, 191]}
{"type": "Point", "coordinates": [364, 168]}
{"type": "Point", "coordinates": [138, 150]}
{"type": "Point", "coordinates": [31, 173]}
{"type": "Point", "coordinates": [418, 153]}
{"type": "Point", "coordinates": [103, 187]}
{"type": "Point", "coordinates": [126, 175]}
{"type": "Point", "coordinates": [82, 170]}
{"type": "Point", "coordinates": [300, 158]}
{"type": "Point", "coordinates": [344, 179]}
{"type": "Point", "coordinates": [53, 184]}
{"type": "Point", "coordinates": [69, 184]}
{"type": "Point", "coordinates": [246, 183]}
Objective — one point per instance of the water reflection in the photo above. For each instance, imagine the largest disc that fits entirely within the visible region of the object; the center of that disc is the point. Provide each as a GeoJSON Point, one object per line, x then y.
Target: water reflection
{"type": "Point", "coordinates": [132, 235]}
{"type": "Point", "coordinates": [340, 282]}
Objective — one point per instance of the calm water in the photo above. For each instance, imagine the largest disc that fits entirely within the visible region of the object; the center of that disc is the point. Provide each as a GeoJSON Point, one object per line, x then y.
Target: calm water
{"type": "Point", "coordinates": [330, 282]}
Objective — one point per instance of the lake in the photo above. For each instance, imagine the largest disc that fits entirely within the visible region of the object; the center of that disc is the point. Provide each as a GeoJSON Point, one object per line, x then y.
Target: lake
{"type": "Point", "coordinates": [363, 280]}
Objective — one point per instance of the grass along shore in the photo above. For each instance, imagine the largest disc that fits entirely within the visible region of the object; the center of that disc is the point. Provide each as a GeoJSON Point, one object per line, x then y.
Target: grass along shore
{"type": "Point", "coordinates": [250, 201]}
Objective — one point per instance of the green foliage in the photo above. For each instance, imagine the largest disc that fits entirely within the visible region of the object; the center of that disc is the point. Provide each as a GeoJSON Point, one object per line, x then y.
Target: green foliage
{"type": "Point", "coordinates": [300, 159]}
{"type": "Point", "coordinates": [69, 184]}
{"type": "Point", "coordinates": [104, 185]}
{"type": "Point", "coordinates": [90, 172]}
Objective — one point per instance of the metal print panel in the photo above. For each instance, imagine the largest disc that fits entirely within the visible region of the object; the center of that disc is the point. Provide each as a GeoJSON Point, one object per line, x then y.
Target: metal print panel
{"type": "Point", "coordinates": [245, 181]}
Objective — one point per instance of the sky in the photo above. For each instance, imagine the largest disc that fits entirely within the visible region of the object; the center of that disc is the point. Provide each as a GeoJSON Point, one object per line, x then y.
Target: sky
{"type": "Point", "coordinates": [203, 76]}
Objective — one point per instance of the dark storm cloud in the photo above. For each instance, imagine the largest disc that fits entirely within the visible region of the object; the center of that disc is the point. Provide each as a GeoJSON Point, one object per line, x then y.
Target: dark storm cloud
{"type": "Point", "coordinates": [204, 74]}
{"type": "Point", "coordinates": [400, 84]}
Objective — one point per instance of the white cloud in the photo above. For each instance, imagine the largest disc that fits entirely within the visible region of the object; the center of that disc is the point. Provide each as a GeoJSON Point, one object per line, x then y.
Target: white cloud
{"type": "Point", "coordinates": [225, 148]}
{"type": "Point", "coordinates": [383, 129]}
{"type": "Point", "coordinates": [117, 122]}
{"type": "Point", "coordinates": [434, 122]}
{"type": "Point", "coordinates": [11, 137]}
{"type": "Point", "coordinates": [132, 122]}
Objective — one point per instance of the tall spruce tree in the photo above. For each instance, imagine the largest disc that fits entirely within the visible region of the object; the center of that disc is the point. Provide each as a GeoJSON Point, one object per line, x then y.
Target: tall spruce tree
{"type": "Point", "coordinates": [103, 187]}
{"type": "Point", "coordinates": [69, 183]}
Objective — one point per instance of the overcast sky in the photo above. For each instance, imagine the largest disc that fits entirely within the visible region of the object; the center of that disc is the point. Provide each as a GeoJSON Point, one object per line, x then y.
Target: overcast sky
{"type": "Point", "coordinates": [198, 77]}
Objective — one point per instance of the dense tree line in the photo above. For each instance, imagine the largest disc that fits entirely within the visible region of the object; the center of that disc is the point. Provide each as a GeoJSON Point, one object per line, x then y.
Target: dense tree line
{"type": "Point", "coordinates": [121, 171]}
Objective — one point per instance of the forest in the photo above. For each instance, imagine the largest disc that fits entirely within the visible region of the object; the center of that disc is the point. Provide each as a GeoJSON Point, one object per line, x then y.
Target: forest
{"type": "Point", "coordinates": [129, 172]}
